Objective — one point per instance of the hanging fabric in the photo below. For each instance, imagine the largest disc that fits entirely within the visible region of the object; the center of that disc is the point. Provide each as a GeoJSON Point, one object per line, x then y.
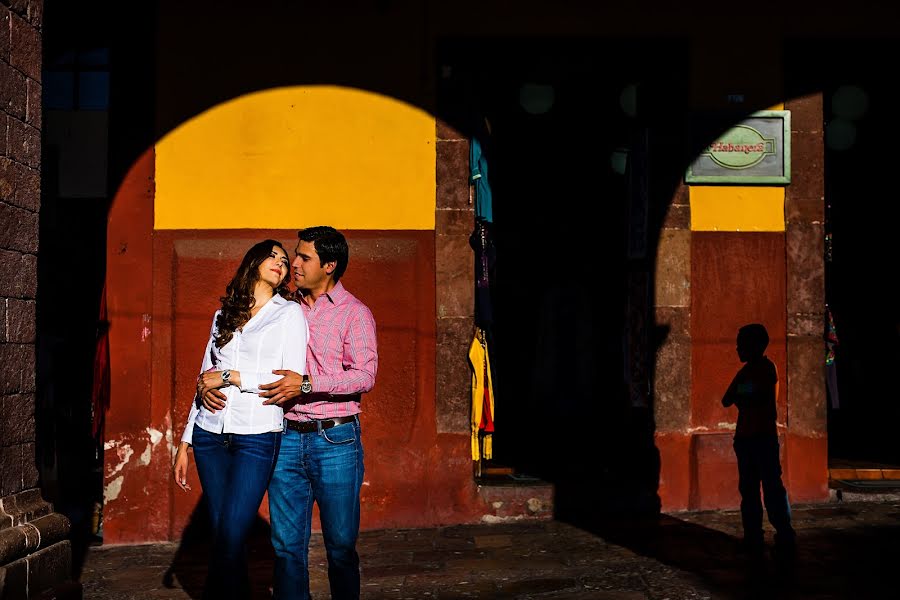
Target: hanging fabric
{"type": "Point", "coordinates": [478, 176]}
{"type": "Point", "coordinates": [831, 345]}
{"type": "Point", "coordinates": [100, 387]}
{"type": "Point", "coordinates": [482, 418]}
{"type": "Point", "coordinates": [481, 241]}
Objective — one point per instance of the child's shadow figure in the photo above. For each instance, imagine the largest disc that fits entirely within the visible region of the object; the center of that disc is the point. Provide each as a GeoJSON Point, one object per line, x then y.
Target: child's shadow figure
{"type": "Point", "coordinates": [754, 390]}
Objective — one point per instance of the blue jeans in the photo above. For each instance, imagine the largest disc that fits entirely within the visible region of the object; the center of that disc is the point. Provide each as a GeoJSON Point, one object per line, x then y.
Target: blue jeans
{"type": "Point", "coordinates": [326, 467]}
{"type": "Point", "coordinates": [758, 463]}
{"type": "Point", "coordinates": [234, 471]}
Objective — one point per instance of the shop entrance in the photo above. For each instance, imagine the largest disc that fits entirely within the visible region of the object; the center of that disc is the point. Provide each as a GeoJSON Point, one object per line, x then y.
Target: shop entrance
{"type": "Point", "coordinates": [567, 127]}
{"type": "Point", "coordinates": [860, 248]}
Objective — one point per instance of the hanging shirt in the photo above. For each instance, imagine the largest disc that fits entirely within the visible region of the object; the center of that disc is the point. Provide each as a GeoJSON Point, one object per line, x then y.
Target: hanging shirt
{"type": "Point", "coordinates": [478, 176]}
{"type": "Point", "coordinates": [482, 397]}
{"type": "Point", "coordinates": [831, 338]}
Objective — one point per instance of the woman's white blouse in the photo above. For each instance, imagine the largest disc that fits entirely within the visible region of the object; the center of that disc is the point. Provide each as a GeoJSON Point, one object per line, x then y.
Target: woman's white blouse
{"type": "Point", "coordinates": [274, 338]}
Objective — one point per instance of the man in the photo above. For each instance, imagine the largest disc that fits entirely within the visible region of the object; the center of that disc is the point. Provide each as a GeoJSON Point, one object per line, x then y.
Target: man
{"type": "Point", "coordinates": [321, 455]}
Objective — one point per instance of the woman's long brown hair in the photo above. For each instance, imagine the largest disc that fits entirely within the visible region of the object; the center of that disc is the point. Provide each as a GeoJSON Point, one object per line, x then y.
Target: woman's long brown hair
{"type": "Point", "coordinates": [238, 298]}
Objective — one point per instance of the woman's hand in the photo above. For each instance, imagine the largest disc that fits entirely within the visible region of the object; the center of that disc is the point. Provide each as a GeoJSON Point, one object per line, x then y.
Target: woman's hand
{"type": "Point", "coordinates": [212, 380]}
{"type": "Point", "coordinates": [179, 468]}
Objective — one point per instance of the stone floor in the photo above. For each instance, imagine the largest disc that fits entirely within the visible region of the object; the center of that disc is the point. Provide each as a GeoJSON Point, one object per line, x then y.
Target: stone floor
{"type": "Point", "coordinates": [845, 550]}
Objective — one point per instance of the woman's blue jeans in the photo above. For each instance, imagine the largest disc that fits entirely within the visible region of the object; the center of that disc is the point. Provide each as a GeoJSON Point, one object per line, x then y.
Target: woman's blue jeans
{"type": "Point", "coordinates": [234, 471]}
{"type": "Point", "coordinates": [326, 467]}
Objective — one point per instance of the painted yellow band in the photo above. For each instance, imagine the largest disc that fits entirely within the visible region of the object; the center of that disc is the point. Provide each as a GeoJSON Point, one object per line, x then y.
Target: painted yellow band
{"type": "Point", "coordinates": [737, 208]}
{"type": "Point", "coordinates": [292, 157]}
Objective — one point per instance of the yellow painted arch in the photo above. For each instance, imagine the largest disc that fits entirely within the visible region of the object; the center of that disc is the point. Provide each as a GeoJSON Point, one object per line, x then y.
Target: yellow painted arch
{"type": "Point", "coordinates": [291, 157]}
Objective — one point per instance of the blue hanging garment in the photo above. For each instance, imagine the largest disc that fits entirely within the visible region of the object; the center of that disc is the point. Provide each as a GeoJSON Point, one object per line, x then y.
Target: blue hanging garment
{"type": "Point", "coordinates": [478, 176]}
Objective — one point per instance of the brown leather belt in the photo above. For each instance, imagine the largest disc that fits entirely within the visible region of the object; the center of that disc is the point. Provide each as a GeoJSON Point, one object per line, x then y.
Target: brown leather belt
{"type": "Point", "coordinates": [310, 426]}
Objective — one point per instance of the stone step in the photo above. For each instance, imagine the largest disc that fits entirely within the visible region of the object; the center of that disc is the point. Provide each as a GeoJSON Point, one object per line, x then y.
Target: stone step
{"type": "Point", "coordinates": [864, 473]}
{"type": "Point", "coordinates": [511, 497]}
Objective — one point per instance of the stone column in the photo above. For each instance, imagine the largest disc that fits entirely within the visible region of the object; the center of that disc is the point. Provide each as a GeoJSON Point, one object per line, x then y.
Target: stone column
{"type": "Point", "coordinates": [454, 221]}
{"type": "Point", "coordinates": [807, 444]}
{"type": "Point", "coordinates": [35, 556]}
{"type": "Point", "coordinates": [672, 365]}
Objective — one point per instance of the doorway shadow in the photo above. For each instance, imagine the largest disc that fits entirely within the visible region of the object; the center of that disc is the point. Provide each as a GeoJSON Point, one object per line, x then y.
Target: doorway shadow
{"type": "Point", "coordinates": [189, 564]}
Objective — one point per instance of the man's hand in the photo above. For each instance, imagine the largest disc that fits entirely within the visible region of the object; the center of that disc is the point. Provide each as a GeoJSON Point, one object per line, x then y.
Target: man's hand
{"type": "Point", "coordinates": [213, 400]}
{"type": "Point", "coordinates": [284, 389]}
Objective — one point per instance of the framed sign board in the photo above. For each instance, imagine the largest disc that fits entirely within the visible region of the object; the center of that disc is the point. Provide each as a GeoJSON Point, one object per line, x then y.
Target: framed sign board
{"type": "Point", "coordinates": [753, 151]}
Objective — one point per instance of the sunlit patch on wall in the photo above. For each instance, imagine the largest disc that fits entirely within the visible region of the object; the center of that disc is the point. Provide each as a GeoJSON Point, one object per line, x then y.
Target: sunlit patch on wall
{"type": "Point", "coordinates": [292, 157]}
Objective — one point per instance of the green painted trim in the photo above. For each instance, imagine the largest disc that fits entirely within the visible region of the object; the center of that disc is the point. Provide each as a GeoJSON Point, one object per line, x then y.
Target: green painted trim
{"type": "Point", "coordinates": [785, 116]}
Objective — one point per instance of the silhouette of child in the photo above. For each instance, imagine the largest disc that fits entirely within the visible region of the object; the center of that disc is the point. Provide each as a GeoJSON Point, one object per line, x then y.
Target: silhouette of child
{"type": "Point", "coordinates": [754, 390]}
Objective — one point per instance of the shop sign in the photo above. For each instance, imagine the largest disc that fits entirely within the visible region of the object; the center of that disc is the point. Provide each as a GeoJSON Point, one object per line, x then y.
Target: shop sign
{"type": "Point", "coordinates": [757, 150]}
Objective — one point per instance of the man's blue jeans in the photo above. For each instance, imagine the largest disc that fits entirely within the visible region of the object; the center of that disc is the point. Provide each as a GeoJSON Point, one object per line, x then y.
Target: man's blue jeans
{"type": "Point", "coordinates": [234, 471]}
{"type": "Point", "coordinates": [326, 467]}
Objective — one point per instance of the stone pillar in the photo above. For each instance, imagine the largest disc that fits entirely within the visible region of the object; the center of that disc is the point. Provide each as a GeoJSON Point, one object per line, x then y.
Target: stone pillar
{"type": "Point", "coordinates": [672, 365]}
{"type": "Point", "coordinates": [454, 221]}
{"type": "Point", "coordinates": [35, 556]}
{"type": "Point", "coordinates": [806, 448]}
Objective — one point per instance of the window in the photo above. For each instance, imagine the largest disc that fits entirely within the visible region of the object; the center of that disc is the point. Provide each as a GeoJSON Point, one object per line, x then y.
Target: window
{"type": "Point", "coordinates": [77, 80]}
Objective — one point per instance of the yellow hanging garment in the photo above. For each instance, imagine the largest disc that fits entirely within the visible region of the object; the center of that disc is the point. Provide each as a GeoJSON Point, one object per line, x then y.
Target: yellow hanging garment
{"type": "Point", "coordinates": [482, 397]}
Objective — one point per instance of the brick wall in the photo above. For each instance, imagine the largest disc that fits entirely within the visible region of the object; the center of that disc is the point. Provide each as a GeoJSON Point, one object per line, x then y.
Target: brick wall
{"type": "Point", "coordinates": [35, 555]}
{"type": "Point", "coordinates": [20, 183]}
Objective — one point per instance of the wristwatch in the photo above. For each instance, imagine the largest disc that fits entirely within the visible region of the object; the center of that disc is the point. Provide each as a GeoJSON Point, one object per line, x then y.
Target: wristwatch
{"type": "Point", "coordinates": [306, 386]}
{"type": "Point", "coordinates": [226, 377]}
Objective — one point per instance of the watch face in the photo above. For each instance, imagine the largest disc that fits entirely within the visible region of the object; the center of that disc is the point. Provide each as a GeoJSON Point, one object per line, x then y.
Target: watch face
{"type": "Point", "coordinates": [306, 386]}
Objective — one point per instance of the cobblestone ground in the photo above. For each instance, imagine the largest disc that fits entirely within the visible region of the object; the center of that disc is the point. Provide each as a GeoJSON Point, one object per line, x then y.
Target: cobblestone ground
{"type": "Point", "coordinates": [847, 550]}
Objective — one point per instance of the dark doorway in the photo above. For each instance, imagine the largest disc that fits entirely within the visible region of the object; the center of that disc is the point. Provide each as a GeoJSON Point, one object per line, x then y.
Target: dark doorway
{"type": "Point", "coordinates": [97, 101]}
{"type": "Point", "coordinates": [860, 125]}
{"type": "Point", "coordinates": [570, 128]}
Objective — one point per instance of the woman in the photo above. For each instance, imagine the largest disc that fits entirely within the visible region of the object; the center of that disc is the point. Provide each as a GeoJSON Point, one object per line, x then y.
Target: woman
{"type": "Point", "coordinates": [257, 330]}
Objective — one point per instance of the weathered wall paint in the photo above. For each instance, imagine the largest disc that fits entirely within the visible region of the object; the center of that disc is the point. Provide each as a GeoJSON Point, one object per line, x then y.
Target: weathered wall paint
{"type": "Point", "coordinates": [297, 156]}
{"type": "Point", "coordinates": [164, 284]}
{"type": "Point", "coordinates": [738, 274]}
{"type": "Point", "coordinates": [398, 414]}
{"type": "Point", "coordinates": [137, 459]}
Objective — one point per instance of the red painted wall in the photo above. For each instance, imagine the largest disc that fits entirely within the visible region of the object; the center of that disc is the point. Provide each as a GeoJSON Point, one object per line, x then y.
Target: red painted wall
{"type": "Point", "coordinates": [163, 287]}
{"type": "Point", "coordinates": [736, 278]}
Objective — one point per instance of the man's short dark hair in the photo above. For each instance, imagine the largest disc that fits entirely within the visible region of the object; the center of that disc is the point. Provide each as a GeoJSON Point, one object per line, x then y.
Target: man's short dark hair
{"type": "Point", "coordinates": [330, 244]}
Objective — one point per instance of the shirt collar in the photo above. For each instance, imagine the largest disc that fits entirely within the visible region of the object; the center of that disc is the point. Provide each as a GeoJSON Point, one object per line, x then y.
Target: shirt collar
{"type": "Point", "coordinates": [335, 296]}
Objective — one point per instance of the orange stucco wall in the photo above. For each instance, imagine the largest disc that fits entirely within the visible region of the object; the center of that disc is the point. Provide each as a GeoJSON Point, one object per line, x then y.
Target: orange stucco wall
{"type": "Point", "coordinates": [175, 239]}
{"type": "Point", "coordinates": [738, 275]}
{"type": "Point", "coordinates": [162, 293]}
